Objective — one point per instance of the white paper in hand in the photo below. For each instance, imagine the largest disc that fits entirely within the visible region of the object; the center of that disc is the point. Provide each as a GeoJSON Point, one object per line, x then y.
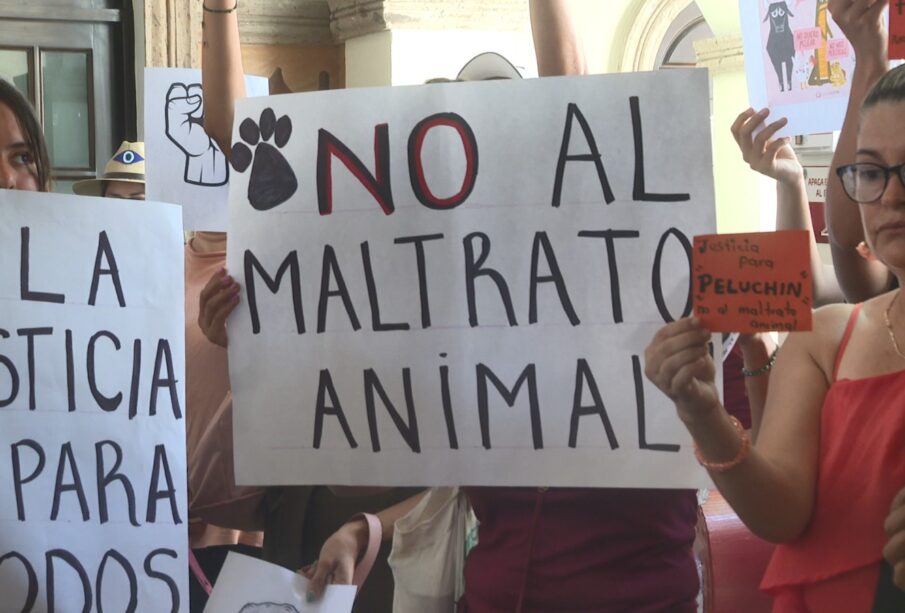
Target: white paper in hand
{"type": "Point", "coordinates": [248, 585]}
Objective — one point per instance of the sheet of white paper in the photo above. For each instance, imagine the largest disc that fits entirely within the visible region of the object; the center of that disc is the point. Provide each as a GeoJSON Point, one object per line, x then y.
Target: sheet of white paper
{"type": "Point", "coordinates": [248, 585]}
{"type": "Point", "coordinates": [798, 63]}
{"type": "Point", "coordinates": [184, 165]}
{"type": "Point", "coordinates": [386, 358]}
{"type": "Point", "coordinates": [91, 388]}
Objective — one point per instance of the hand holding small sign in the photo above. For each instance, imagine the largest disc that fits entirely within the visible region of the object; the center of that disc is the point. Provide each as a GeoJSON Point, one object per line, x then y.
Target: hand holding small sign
{"type": "Point", "coordinates": [678, 361]}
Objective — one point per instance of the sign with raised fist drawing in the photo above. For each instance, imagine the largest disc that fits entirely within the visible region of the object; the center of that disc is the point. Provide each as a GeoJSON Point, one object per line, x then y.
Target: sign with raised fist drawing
{"type": "Point", "coordinates": [184, 165]}
{"type": "Point", "coordinates": [205, 164]}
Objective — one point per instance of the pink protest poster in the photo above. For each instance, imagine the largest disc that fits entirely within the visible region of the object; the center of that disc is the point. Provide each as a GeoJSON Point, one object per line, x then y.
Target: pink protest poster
{"type": "Point", "coordinates": [798, 62]}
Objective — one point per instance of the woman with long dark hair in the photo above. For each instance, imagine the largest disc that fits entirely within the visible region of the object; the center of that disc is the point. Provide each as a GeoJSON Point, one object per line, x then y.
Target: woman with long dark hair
{"type": "Point", "coordinates": [24, 163]}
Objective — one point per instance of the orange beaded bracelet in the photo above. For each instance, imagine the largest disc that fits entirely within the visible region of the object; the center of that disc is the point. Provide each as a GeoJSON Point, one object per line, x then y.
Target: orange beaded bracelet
{"type": "Point", "coordinates": [743, 451]}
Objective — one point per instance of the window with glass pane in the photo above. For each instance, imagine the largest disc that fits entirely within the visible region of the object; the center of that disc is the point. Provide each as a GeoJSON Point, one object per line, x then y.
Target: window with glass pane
{"type": "Point", "coordinates": [67, 108]}
{"type": "Point", "coordinates": [14, 64]}
{"type": "Point", "coordinates": [681, 53]}
{"type": "Point", "coordinates": [677, 47]}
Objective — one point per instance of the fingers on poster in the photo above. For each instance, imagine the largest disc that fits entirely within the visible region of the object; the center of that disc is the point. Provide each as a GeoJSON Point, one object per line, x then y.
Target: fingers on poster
{"type": "Point", "coordinates": [806, 55]}
{"type": "Point", "coordinates": [205, 163]}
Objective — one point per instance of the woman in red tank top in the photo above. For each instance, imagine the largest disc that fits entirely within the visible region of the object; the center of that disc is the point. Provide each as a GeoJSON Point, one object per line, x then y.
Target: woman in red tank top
{"type": "Point", "coordinates": [829, 458]}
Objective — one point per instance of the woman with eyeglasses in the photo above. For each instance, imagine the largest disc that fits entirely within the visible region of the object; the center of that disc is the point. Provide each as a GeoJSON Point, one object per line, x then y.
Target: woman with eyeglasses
{"type": "Point", "coordinates": [829, 462]}
{"type": "Point", "coordinates": [863, 22]}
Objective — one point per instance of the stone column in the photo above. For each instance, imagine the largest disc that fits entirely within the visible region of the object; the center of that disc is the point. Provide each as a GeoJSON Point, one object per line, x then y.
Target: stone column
{"type": "Point", "coordinates": [173, 27]}
{"type": "Point", "coordinates": [173, 33]}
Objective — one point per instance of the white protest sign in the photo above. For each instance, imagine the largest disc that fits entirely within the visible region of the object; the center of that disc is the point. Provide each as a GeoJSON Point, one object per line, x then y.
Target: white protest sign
{"type": "Point", "coordinates": [93, 510]}
{"type": "Point", "coordinates": [248, 585]}
{"type": "Point", "coordinates": [184, 165]}
{"type": "Point", "coordinates": [473, 307]}
{"type": "Point", "coordinates": [798, 63]}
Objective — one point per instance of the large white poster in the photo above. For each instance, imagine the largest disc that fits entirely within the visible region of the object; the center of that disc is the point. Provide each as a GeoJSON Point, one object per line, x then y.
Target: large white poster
{"type": "Point", "coordinates": [93, 476]}
{"type": "Point", "coordinates": [184, 165]}
{"type": "Point", "coordinates": [454, 283]}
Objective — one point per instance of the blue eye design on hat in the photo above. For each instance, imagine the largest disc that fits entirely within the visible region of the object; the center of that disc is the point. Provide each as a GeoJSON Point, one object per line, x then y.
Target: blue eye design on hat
{"type": "Point", "coordinates": [129, 157]}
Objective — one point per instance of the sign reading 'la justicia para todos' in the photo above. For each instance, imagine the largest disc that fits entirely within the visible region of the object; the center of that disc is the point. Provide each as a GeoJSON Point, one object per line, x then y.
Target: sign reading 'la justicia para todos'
{"type": "Point", "coordinates": [92, 363]}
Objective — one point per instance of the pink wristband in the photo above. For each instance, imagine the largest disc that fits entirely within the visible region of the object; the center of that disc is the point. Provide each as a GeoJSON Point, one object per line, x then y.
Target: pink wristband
{"type": "Point", "coordinates": [375, 535]}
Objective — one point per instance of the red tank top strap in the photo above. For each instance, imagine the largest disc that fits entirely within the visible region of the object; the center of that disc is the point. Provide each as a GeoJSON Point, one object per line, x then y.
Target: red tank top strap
{"type": "Point", "coordinates": [849, 328]}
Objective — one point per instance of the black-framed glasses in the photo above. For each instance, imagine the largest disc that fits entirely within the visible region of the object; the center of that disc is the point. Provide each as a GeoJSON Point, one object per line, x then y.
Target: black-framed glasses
{"type": "Point", "coordinates": [866, 182]}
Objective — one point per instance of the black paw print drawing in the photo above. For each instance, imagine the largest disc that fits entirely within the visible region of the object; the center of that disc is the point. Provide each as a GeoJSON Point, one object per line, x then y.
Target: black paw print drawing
{"type": "Point", "coordinates": [272, 180]}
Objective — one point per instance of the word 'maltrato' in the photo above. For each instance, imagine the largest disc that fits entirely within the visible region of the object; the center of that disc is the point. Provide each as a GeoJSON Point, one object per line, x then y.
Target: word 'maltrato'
{"type": "Point", "coordinates": [476, 249]}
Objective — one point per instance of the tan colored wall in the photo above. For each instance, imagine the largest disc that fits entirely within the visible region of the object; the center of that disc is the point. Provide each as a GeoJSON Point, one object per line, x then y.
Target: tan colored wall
{"type": "Point", "coordinates": [302, 66]}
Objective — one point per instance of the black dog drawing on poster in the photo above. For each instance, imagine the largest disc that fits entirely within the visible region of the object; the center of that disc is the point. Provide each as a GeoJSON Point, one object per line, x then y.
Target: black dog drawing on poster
{"type": "Point", "coordinates": [781, 42]}
{"type": "Point", "coordinates": [205, 164]}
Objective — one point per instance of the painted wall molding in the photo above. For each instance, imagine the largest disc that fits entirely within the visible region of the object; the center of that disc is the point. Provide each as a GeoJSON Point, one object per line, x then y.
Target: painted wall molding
{"type": "Point", "coordinates": [173, 33]}
{"type": "Point", "coordinates": [354, 18]}
{"type": "Point", "coordinates": [285, 22]}
{"type": "Point", "coordinates": [720, 54]}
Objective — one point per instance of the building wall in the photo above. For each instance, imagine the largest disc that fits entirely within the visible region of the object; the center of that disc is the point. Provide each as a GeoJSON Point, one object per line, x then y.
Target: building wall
{"type": "Point", "coordinates": [304, 68]}
{"type": "Point", "coordinates": [294, 36]}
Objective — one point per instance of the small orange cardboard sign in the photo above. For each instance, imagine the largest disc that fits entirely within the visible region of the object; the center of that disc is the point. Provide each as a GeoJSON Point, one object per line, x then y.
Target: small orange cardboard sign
{"type": "Point", "coordinates": [897, 29]}
{"type": "Point", "coordinates": [753, 282]}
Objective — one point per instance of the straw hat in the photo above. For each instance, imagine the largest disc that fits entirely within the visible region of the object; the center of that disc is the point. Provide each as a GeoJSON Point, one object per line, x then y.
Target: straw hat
{"type": "Point", "coordinates": [128, 164]}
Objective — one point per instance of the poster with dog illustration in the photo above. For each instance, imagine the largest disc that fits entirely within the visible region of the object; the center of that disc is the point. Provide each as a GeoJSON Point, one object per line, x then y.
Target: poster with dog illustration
{"type": "Point", "coordinates": [184, 165]}
{"type": "Point", "coordinates": [442, 288]}
{"type": "Point", "coordinates": [798, 62]}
